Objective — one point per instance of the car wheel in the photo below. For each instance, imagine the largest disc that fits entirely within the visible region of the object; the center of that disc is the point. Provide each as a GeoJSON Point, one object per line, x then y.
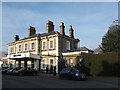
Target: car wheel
{"type": "Point", "coordinates": [21, 74]}
{"type": "Point", "coordinates": [34, 74]}
{"type": "Point", "coordinates": [74, 78]}
{"type": "Point", "coordinates": [61, 77]}
{"type": "Point", "coordinates": [13, 73]}
{"type": "Point", "coordinates": [82, 79]}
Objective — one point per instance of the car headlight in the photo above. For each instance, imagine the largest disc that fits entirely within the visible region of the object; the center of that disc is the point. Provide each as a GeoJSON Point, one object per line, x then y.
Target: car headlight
{"type": "Point", "coordinates": [16, 71]}
{"type": "Point", "coordinates": [76, 74]}
{"type": "Point", "coordinates": [83, 76]}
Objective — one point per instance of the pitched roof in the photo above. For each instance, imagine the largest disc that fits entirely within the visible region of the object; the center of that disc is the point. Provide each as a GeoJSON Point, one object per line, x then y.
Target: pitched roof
{"type": "Point", "coordinates": [50, 33]}
{"type": "Point", "coordinates": [42, 35]}
{"type": "Point", "coordinates": [32, 36]}
{"type": "Point", "coordinates": [97, 50]}
{"type": "Point", "coordinates": [85, 49]}
{"type": "Point", "coordinates": [39, 35]}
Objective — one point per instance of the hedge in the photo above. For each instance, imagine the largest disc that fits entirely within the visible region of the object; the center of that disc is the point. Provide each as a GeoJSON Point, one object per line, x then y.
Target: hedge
{"type": "Point", "coordinates": [104, 64]}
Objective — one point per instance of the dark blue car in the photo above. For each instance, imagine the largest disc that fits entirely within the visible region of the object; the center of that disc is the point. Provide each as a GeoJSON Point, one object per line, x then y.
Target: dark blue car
{"type": "Point", "coordinates": [71, 73]}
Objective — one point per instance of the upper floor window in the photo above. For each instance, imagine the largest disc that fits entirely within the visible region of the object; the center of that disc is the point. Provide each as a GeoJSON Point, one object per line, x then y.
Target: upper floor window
{"type": "Point", "coordinates": [32, 46]}
{"type": "Point", "coordinates": [51, 44]}
{"type": "Point", "coordinates": [11, 50]}
{"type": "Point", "coordinates": [68, 45]}
{"type": "Point", "coordinates": [15, 50]}
{"type": "Point", "coordinates": [74, 44]}
{"type": "Point", "coordinates": [43, 45]}
{"type": "Point", "coordinates": [19, 48]}
{"type": "Point", "coordinates": [25, 47]}
{"type": "Point", "coordinates": [77, 45]}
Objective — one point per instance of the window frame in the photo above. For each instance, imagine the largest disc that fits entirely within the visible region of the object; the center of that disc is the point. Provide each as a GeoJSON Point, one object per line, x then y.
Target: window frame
{"type": "Point", "coordinates": [25, 47]}
{"type": "Point", "coordinates": [19, 48]}
{"type": "Point", "coordinates": [31, 46]}
{"type": "Point", "coordinates": [42, 63]}
{"type": "Point", "coordinates": [45, 45]}
{"type": "Point", "coordinates": [11, 51]}
{"type": "Point", "coordinates": [49, 62]}
{"type": "Point", "coordinates": [68, 44]}
{"type": "Point", "coordinates": [15, 49]}
{"type": "Point", "coordinates": [71, 61]}
{"type": "Point", "coordinates": [50, 45]}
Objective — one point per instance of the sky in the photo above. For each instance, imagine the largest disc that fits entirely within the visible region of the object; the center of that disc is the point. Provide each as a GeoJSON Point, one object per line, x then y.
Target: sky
{"type": "Point", "coordinates": [90, 20]}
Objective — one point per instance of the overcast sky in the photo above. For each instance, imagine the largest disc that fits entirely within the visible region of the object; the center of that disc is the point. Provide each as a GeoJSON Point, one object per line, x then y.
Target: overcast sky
{"type": "Point", "coordinates": [90, 21]}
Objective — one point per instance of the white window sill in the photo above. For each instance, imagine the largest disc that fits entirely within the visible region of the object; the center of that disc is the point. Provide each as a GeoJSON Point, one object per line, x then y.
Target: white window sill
{"type": "Point", "coordinates": [51, 48]}
{"type": "Point", "coordinates": [25, 50]}
{"type": "Point", "coordinates": [32, 50]}
{"type": "Point", "coordinates": [19, 51]}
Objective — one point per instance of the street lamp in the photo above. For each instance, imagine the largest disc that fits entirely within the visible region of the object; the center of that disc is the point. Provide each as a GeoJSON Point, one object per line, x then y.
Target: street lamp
{"type": "Point", "coordinates": [81, 59]}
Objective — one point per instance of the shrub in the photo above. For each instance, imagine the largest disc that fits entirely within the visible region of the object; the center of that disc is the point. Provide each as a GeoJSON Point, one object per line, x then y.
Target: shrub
{"type": "Point", "coordinates": [104, 64]}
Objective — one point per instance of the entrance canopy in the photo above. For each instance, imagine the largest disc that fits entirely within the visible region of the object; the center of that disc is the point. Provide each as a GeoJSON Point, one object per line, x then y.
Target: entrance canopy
{"type": "Point", "coordinates": [23, 55]}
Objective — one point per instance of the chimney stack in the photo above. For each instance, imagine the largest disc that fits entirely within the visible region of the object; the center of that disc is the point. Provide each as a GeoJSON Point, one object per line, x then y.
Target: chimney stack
{"type": "Point", "coordinates": [71, 32]}
{"type": "Point", "coordinates": [16, 38]}
{"type": "Point", "coordinates": [31, 31]}
{"type": "Point", "coordinates": [49, 26]}
{"type": "Point", "coordinates": [62, 28]}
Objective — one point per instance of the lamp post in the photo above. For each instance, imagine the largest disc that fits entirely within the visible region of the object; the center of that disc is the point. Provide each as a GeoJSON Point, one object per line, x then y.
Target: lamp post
{"type": "Point", "coordinates": [81, 59]}
{"type": "Point", "coordinates": [80, 64]}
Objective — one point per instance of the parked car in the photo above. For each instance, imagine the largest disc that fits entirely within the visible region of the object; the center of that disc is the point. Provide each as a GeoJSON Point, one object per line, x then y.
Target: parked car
{"type": "Point", "coordinates": [25, 71]}
{"type": "Point", "coordinates": [4, 70]}
{"type": "Point", "coordinates": [11, 71]}
{"type": "Point", "coordinates": [8, 70]}
{"type": "Point", "coordinates": [71, 73]}
{"type": "Point", "coordinates": [14, 70]}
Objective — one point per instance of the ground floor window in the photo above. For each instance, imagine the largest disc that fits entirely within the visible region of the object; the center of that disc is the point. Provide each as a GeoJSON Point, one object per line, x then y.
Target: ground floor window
{"type": "Point", "coordinates": [71, 62]}
{"type": "Point", "coordinates": [51, 62]}
{"type": "Point", "coordinates": [22, 64]}
{"type": "Point", "coordinates": [43, 63]}
{"type": "Point", "coordinates": [29, 64]}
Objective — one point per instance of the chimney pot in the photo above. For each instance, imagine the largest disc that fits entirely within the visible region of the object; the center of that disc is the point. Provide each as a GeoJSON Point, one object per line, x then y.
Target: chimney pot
{"type": "Point", "coordinates": [31, 31]}
{"type": "Point", "coordinates": [71, 26]}
{"type": "Point", "coordinates": [16, 38]}
{"type": "Point", "coordinates": [62, 24]}
{"type": "Point", "coordinates": [49, 26]}
{"type": "Point", "coordinates": [62, 28]}
{"type": "Point", "coordinates": [71, 32]}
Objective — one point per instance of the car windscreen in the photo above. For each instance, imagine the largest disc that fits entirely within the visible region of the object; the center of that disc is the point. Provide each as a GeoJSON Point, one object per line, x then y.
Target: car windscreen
{"type": "Point", "coordinates": [66, 70]}
{"type": "Point", "coordinates": [73, 70]}
{"type": "Point", "coordinates": [17, 68]}
{"type": "Point", "coordinates": [9, 68]}
{"type": "Point", "coordinates": [29, 68]}
{"type": "Point", "coordinates": [14, 68]}
{"type": "Point", "coordinates": [22, 69]}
